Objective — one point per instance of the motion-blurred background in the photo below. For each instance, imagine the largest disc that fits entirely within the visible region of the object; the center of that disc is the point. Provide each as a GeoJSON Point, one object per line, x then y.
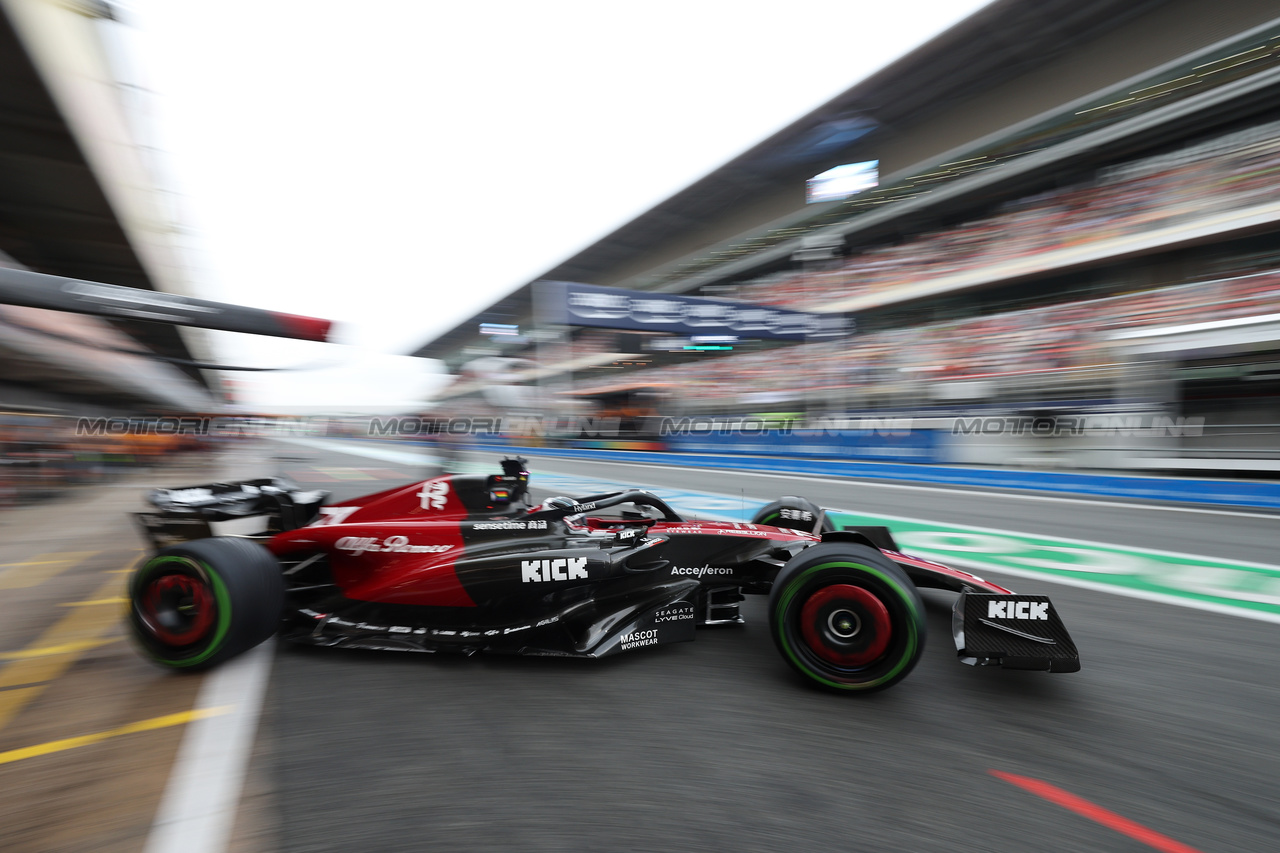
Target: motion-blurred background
{"type": "Point", "coordinates": [1004, 276]}
{"type": "Point", "coordinates": [1056, 219]}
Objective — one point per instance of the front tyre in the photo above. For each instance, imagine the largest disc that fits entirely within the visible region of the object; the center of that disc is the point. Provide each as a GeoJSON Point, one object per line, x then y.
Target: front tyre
{"type": "Point", "coordinates": [844, 616]}
{"type": "Point", "coordinates": [197, 604]}
{"type": "Point", "coordinates": [794, 513]}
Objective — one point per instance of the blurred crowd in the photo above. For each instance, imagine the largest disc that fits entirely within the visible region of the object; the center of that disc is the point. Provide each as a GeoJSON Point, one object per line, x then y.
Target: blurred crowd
{"type": "Point", "coordinates": [1231, 172]}
{"type": "Point", "coordinates": [1037, 342]}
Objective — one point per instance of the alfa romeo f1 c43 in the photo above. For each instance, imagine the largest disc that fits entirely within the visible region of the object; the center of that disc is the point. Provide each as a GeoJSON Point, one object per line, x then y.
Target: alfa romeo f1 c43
{"type": "Point", "coordinates": [466, 564]}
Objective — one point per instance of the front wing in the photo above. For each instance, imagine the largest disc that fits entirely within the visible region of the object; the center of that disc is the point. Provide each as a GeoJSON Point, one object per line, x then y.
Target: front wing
{"type": "Point", "coordinates": [1012, 631]}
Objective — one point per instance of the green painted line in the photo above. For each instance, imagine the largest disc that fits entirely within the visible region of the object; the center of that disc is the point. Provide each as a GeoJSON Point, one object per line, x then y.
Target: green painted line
{"type": "Point", "coordinates": [1243, 589]}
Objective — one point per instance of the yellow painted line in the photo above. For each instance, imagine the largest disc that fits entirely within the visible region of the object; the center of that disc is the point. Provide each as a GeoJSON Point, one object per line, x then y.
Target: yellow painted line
{"type": "Point", "coordinates": [83, 623]}
{"type": "Point", "coordinates": [94, 602]}
{"type": "Point", "coordinates": [132, 728]}
{"type": "Point", "coordinates": [13, 701]}
{"type": "Point", "coordinates": [64, 648]}
{"type": "Point", "coordinates": [15, 576]}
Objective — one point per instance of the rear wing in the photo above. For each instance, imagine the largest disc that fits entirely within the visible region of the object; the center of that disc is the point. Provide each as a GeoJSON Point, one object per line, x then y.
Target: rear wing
{"type": "Point", "coordinates": [260, 507]}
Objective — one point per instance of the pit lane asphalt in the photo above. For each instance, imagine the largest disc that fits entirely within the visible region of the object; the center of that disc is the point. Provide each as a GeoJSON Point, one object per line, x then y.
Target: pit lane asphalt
{"type": "Point", "coordinates": [715, 745]}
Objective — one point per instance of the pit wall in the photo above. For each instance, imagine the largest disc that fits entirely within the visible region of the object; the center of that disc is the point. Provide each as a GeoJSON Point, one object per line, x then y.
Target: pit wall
{"type": "Point", "coordinates": [1185, 490]}
{"type": "Point", "coordinates": [1103, 442]}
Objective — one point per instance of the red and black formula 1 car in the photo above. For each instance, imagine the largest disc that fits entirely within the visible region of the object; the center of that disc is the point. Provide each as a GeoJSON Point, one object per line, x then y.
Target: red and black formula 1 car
{"type": "Point", "coordinates": [463, 563]}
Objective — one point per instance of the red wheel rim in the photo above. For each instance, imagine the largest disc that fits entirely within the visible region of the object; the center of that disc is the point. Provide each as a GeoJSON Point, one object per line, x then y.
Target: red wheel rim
{"type": "Point", "coordinates": [846, 625]}
{"type": "Point", "coordinates": [178, 609]}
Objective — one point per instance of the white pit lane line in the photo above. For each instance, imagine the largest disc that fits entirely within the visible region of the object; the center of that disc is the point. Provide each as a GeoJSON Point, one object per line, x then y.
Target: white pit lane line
{"type": "Point", "coordinates": [198, 809]}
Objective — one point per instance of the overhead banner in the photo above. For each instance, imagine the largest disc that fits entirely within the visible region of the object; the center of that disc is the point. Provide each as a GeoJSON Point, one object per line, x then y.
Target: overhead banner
{"type": "Point", "coordinates": [37, 290]}
{"type": "Point", "coordinates": [568, 303]}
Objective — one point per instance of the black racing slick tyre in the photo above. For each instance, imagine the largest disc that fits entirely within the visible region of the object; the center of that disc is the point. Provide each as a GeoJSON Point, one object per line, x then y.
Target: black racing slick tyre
{"type": "Point", "coordinates": [793, 513]}
{"type": "Point", "coordinates": [845, 617]}
{"type": "Point", "coordinates": [197, 604]}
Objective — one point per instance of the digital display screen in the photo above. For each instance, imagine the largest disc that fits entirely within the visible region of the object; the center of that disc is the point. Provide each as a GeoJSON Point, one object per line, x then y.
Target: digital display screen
{"type": "Point", "coordinates": [843, 181]}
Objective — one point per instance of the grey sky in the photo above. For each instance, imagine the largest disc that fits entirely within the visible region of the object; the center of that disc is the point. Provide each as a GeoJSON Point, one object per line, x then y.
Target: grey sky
{"type": "Point", "coordinates": [398, 165]}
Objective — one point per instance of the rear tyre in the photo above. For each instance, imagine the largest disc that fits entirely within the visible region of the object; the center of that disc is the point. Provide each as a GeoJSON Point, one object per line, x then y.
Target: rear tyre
{"type": "Point", "coordinates": [794, 513]}
{"type": "Point", "coordinates": [197, 604]}
{"type": "Point", "coordinates": [848, 619]}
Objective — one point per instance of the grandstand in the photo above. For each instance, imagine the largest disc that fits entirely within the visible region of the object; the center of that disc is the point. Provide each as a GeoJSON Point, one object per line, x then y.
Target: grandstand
{"type": "Point", "coordinates": [1075, 215]}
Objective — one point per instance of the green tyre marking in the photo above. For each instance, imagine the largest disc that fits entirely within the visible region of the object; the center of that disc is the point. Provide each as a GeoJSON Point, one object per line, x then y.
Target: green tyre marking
{"type": "Point", "coordinates": [790, 592]}
{"type": "Point", "coordinates": [224, 611]}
